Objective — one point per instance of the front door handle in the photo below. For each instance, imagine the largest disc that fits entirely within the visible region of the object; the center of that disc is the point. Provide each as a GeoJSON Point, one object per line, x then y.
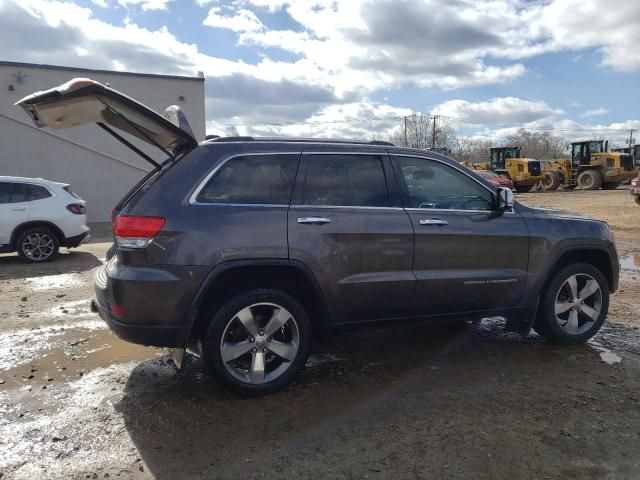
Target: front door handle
{"type": "Point", "coordinates": [433, 221]}
{"type": "Point", "coordinates": [314, 220]}
{"type": "Point", "coordinates": [19, 209]}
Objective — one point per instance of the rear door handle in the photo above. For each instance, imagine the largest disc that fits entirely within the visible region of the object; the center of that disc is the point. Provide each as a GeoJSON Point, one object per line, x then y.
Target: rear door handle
{"type": "Point", "coordinates": [314, 220]}
{"type": "Point", "coordinates": [18, 209]}
{"type": "Point", "coordinates": [433, 221]}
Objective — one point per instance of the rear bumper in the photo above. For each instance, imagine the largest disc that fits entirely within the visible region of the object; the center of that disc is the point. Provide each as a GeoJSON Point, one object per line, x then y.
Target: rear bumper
{"type": "Point", "coordinates": [151, 301]}
{"type": "Point", "coordinates": [72, 242]}
{"type": "Point", "coordinates": [149, 335]}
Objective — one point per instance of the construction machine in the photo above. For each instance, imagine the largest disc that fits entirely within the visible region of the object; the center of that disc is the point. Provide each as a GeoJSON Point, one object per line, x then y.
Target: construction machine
{"type": "Point", "coordinates": [591, 166]}
{"type": "Point", "coordinates": [633, 150]}
{"type": "Point", "coordinates": [525, 173]}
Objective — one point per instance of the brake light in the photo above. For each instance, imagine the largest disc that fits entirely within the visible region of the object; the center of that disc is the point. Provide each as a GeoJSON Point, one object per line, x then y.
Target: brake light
{"type": "Point", "coordinates": [136, 231]}
{"type": "Point", "coordinates": [77, 209]}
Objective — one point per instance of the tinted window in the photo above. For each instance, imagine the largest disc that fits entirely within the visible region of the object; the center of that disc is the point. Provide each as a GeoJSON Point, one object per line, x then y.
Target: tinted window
{"type": "Point", "coordinates": [36, 192]}
{"type": "Point", "coordinates": [253, 179]}
{"type": "Point", "coordinates": [345, 180]}
{"type": "Point", "coordinates": [432, 184]}
{"type": "Point", "coordinates": [5, 192]}
{"type": "Point", "coordinates": [18, 193]}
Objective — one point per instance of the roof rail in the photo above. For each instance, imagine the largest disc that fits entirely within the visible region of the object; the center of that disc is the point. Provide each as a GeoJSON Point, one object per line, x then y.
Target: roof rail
{"type": "Point", "coordinates": [298, 140]}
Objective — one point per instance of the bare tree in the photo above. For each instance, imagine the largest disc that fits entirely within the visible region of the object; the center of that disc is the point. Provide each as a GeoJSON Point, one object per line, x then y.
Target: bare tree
{"type": "Point", "coordinates": [231, 131]}
{"type": "Point", "coordinates": [539, 145]}
{"type": "Point", "coordinates": [472, 150]}
{"type": "Point", "coordinates": [416, 131]}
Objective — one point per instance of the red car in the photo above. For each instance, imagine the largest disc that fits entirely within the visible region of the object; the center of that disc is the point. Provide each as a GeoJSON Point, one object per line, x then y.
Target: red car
{"type": "Point", "coordinates": [635, 189]}
{"type": "Point", "coordinates": [496, 179]}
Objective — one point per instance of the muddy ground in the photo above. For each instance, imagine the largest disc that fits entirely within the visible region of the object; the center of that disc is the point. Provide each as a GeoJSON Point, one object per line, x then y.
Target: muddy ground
{"type": "Point", "coordinates": [415, 401]}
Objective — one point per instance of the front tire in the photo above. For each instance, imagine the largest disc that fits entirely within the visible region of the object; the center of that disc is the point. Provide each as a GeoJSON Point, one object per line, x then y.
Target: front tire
{"type": "Point", "coordinates": [550, 181]}
{"type": "Point", "coordinates": [574, 305]}
{"type": "Point", "coordinates": [523, 188]}
{"type": "Point", "coordinates": [37, 245]}
{"type": "Point", "coordinates": [589, 180]}
{"type": "Point", "coordinates": [258, 341]}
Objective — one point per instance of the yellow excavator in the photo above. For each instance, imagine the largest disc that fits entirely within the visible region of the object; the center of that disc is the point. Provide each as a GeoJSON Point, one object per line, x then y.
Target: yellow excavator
{"type": "Point", "coordinates": [525, 173]}
{"type": "Point", "coordinates": [591, 166]}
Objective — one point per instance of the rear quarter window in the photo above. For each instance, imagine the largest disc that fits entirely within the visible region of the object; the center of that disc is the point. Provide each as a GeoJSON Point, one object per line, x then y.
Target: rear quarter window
{"type": "Point", "coordinates": [252, 179]}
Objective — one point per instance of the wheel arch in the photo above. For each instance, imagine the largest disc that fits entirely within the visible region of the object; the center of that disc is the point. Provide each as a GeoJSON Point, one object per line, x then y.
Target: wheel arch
{"type": "Point", "coordinates": [597, 256]}
{"type": "Point", "coordinates": [26, 225]}
{"type": "Point", "coordinates": [230, 277]}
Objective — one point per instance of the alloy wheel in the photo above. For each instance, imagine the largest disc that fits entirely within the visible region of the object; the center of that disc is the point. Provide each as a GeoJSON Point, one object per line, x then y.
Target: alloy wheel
{"type": "Point", "coordinates": [578, 304]}
{"type": "Point", "coordinates": [38, 246]}
{"type": "Point", "coordinates": [259, 343]}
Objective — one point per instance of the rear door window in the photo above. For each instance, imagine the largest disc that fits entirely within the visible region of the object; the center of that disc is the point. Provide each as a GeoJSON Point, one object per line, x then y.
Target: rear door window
{"type": "Point", "coordinates": [5, 192]}
{"type": "Point", "coordinates": [345, 180]}
{"type": "Point", "coordinates": [19, 193]}
{"type": "Point", "coordinates": [36, 192]}
{"type": "Point", "coordinates": [253, 180]}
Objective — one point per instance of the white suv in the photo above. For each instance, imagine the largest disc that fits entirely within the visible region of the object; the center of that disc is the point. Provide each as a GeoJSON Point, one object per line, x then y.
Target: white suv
{"type": "Point", "coordinates": [38, 216]}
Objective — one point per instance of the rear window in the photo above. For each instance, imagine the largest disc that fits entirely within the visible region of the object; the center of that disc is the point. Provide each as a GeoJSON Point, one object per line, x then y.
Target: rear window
{"type": "Point", "coordinates": [252, 180]}
{"type": "Point", "coordinates": [71, 192]}
{"type": "Point", "coordinates": [36, 192]}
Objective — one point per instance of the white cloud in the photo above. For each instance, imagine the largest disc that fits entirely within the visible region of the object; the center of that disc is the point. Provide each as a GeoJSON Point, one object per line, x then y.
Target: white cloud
{"type": "Point", "coordinates": [241, 21]}
{"type": "Point", "coordinates": [144, 4]}
{"type": "Point", "coordinates": [594, 112]}
{"type": "Point", "coordinates": [497, 110]}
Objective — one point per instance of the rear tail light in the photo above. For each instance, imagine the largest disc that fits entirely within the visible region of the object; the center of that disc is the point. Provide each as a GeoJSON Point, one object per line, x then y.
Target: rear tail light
{"type": "Point", "coordinates": [117, 310]}
{"type": "Point", "coordinates": [135, 231]}
{"type": "Point", "coordinates": [77, 209]}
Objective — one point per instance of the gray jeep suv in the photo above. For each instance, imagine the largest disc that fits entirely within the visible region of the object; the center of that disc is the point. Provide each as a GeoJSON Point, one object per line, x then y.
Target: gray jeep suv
{"type": "Point", "coordinates": [247, 247]}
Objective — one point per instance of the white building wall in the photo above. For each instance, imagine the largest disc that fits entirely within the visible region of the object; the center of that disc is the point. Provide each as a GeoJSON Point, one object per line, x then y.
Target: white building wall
{"type": "Point", "coordinates": [97, 166]}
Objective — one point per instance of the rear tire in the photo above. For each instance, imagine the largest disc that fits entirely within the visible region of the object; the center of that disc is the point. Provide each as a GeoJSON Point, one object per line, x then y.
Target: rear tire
{"type": "Point", "coordinates": [550, 181]}
{"type": "Point", "coordinates": [610, 185]}
{"type": "Point", "coordinates": [589, 180]}
{"type": "Point", "coordinates": [573, 305]}
{"type": "Point", "coordinates": [37, 245]}
{"type": "Point", "coordinates": [240, 345]}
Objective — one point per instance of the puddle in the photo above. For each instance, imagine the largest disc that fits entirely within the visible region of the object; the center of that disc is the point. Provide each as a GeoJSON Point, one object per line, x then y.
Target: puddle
{"type": "Point", "coordinates": [630, 263]}
{"type": "Point", "coordinates": [321, 358]}
{"type": "Point", "coordinates": [77, 308]}
{"type": "Point", "coordinates": [48, 282]}
{"type": "Point", "coordinates": [66, 355]}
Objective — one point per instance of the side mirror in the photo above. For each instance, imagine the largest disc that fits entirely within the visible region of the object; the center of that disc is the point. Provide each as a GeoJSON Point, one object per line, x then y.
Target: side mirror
{"type": "Point", "coordinates": [505, 199]}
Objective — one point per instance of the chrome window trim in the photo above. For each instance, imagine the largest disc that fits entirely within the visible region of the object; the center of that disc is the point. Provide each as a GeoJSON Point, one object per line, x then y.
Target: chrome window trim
{"type": "Point", "coordinates": [346, 206]}
{"type": "Point", "coordinates": [193, 197]}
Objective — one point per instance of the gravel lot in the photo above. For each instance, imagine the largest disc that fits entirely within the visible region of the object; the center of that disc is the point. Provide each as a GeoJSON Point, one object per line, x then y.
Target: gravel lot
{"type": "Point", "coordinates": [417, 401]}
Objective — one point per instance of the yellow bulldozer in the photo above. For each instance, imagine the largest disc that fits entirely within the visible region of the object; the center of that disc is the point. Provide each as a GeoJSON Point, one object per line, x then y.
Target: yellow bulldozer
{"type": "Point", "coordinates": [591, 166]}
{"type": "Point", "coordinates": [525, 173]}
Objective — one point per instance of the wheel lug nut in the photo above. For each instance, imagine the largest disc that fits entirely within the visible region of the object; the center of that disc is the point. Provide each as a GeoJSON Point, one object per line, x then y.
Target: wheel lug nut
{"type": "Point", "coordinates": [264, 350]}
{"type": "Point", "coordinates": [269, 339]}
{"type": "Point", "coordinates": [254, 350]}
{"type": "Point", "coordinates": [261, 332]}
{"type": "Point", "coordinates": [252, 339]}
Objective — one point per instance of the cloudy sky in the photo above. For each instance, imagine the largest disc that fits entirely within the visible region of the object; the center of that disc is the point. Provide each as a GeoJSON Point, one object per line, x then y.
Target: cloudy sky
{"type": "Point", "coordinates": [353, 67]}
